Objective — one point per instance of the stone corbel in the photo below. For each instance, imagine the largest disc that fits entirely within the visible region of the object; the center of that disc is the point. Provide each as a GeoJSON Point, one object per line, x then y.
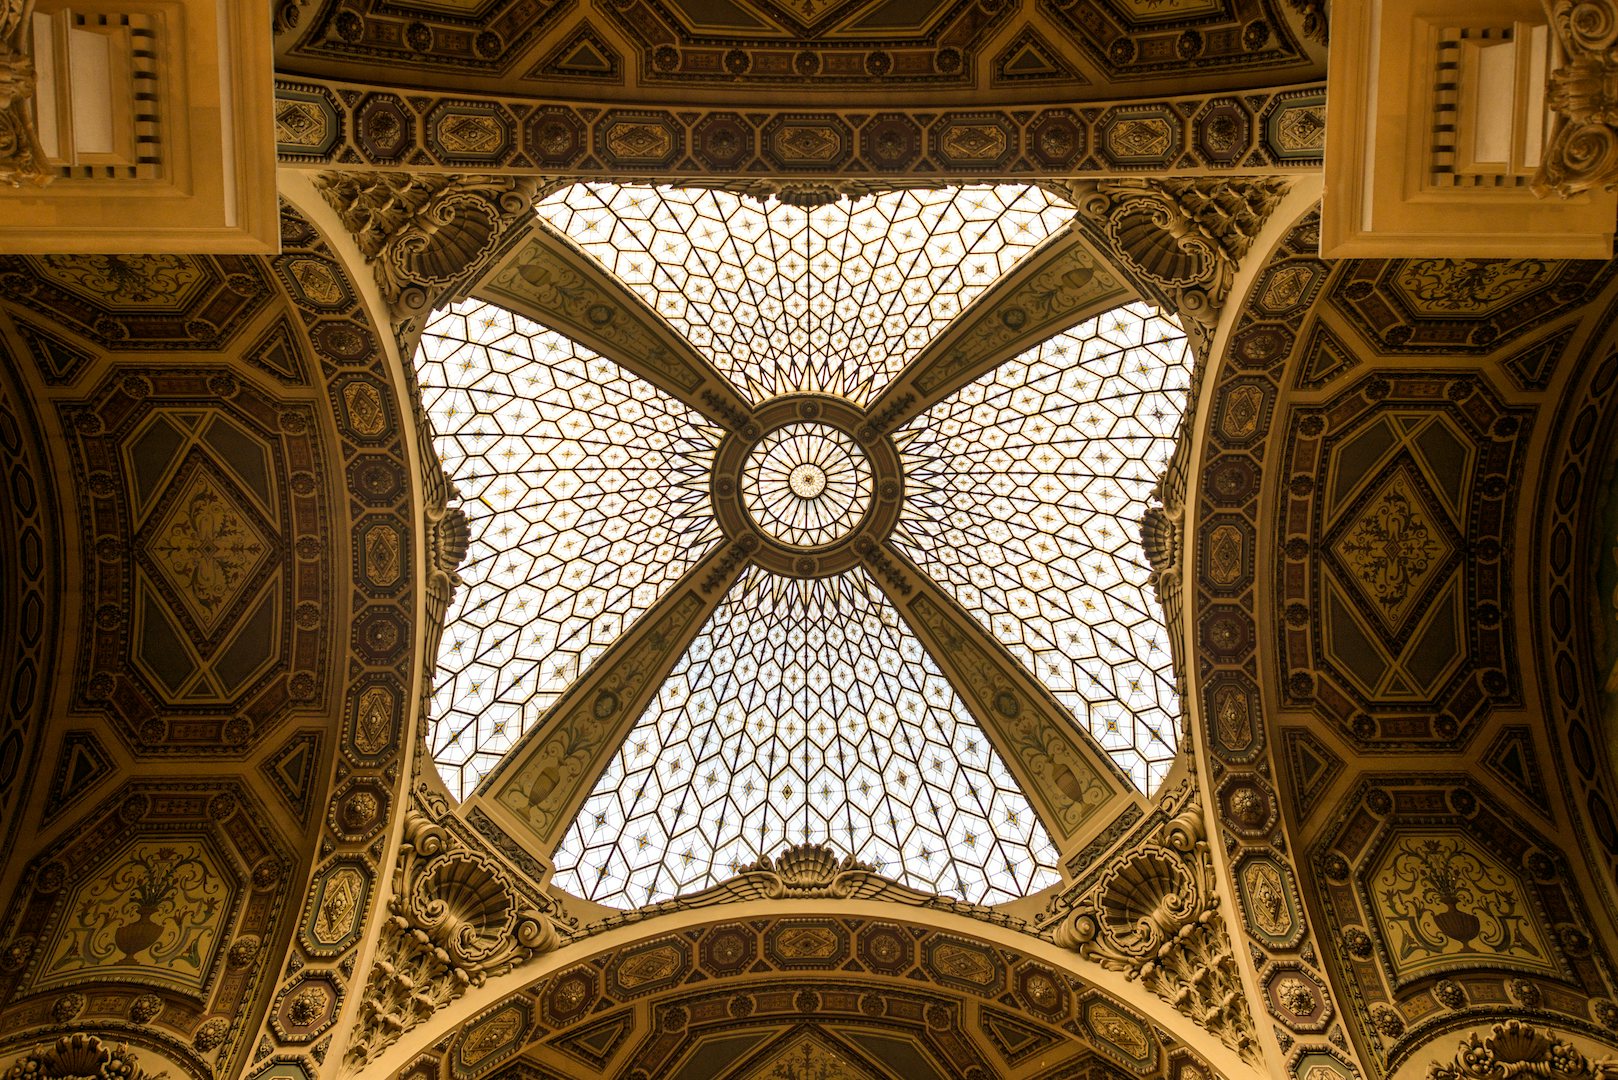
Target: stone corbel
{"type": "Point", "coordinates": [1582, 152]}
{"type": "Point", "coordinates": [1153, 915]}
{"type": "Point", "coordinates": [22, 160]}
{"type": "Point", "coordinates": [426, 234]}
{"type": "Point", "coordinates": [1179, 240]}
{"type": "Point", "coordinates": [456, 918]}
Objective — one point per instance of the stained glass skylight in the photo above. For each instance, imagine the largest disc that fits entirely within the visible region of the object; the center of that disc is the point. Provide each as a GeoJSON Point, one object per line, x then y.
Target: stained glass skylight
{"type": "Point", "coordinates": [586, 492]}
{"type": "Point", "coordinates": [836, 298]}
{"type": "Point", "coordinates": [805, 709]}
{"type": "Point", "coordinates": [805, 712]}
{"type": "Point", "coordinates": [1022, 494]}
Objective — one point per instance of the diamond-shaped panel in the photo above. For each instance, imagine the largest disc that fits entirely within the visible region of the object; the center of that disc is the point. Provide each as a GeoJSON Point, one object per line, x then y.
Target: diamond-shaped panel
{"type": "Point", "coordinates": [1394, 545]}
{"type": "Point", "coordinates": [206, 547]}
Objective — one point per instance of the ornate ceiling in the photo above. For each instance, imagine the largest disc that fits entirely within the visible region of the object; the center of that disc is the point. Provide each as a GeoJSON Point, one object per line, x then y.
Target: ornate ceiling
{"type": "Point", "coordinates": [1385, 848]}
{"type": "Point", "coordinates": [758, 50]}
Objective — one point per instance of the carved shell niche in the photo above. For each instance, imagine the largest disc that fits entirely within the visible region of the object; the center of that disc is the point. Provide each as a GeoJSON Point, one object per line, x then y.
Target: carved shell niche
{"type": "Point", "coordinates": [1146, 902]}
{"type": "Point", "coordinates": [1146, 235]}
{"type": "Point", "coordinates": [463, 905]}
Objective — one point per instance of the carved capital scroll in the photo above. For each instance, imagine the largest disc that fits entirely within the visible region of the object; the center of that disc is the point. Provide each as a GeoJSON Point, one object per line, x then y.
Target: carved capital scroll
{"type": "Point", "coordinates": [1582, 152]}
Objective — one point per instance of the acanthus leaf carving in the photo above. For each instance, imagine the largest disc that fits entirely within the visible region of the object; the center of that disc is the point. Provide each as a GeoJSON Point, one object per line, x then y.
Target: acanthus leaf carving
{"type": "Point", "coordinates": [423, 234]}
{"type": "Point", "coordinates": [1582, 150]}
{"type": "Point", "coordinates": [1153, 915]}
{"type": "Point", "coordinates": [1179, 239]}
{"type": "Point", "coordinates": [455, 919]}
{"type": "Point", "coordinates": [1515, 1049]}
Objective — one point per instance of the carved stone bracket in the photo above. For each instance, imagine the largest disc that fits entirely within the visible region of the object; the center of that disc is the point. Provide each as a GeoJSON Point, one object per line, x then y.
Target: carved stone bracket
{"type": "Point", "coordinates": [456, 918]}
{"type": "Point", "coordinates": [1179, 240]}
{"type": "Point", "coordinates": [1583, 148]}
{"type": "Point", "coordinates": [1515, 1049]}
{"type": "Point", "coordinates": [423, 234]}
{"type": "Point", "coordinates": [22, 160]}
{"type": "Point", "coordinates": [1153, 914]}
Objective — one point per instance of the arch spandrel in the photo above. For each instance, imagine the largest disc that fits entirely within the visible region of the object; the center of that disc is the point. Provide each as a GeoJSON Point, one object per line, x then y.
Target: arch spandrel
{"type": "Point", "coordinates": [1350, 399]}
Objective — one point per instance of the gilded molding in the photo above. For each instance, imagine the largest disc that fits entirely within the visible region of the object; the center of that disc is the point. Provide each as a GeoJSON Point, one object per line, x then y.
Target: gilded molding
{"type": "Point", "coordinates": [1583, 92]}
{"type": "Point", "coordinates": [22, 159]}
{"type": "Point", "coordinates": [455, 919]}
{"type": "Point", "coordinates": [1515, 1049]}
{"type": "Point", "coordinates": [1153, 915]}
{"type": "Point", "coordinates": [1179, 239]}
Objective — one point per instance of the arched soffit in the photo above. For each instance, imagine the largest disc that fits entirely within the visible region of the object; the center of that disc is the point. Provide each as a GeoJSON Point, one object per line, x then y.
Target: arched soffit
{"type": "Point", "coordinates": [231, 441]}
{"type": "Point", "coordinates": [1576, 586]}
{"type": "Point", "coordinates": [761, 53]}
{"type": "Point", "coordinates": [694, 995]}
{"type": "Point", "coordinates": [1365, 704]}
{"type": "Point", "coordinates": [30, 569]}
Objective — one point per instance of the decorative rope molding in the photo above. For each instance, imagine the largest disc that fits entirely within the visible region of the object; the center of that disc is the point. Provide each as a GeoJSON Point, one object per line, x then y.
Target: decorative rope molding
{"type": "Point", "coordinates": [22, 160]}
{"type": "Point", "coordinates": [1153, 915]}
{"type": "Point", "coordinates": [1180, 240]}
{"type": "Point", "coordinates": [1515, 1049]}
{"type": "Point", "coordinates": [455, 919]}
{"type": "Point", "coordinates": [1583, 150]}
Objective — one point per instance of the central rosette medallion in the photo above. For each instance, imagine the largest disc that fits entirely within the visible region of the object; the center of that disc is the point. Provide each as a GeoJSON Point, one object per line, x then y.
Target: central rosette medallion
{"type": "Point", "coordinates": [807, 485]}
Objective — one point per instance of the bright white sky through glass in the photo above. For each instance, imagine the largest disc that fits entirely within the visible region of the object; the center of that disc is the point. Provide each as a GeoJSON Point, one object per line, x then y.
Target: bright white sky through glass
{"type": "Point", "coordinates": [803, 711]}
{"type": "Point", "coordinates": [834, 299]}
{"type": "Point", "coordinates": [1023, 496]}
{"type": "Point", "coordinates": [586, 489]}
{"type": "Point", "coordinates": [806, 711]}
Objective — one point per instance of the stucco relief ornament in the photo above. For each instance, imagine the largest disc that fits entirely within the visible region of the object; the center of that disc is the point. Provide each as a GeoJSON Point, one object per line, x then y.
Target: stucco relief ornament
{"type": "Point", "coordinates": [1181, 240]}
{"type": "Point", "coordinates": [79, 1057]}
{"type": "Point", "coordinates": [22, 159]}
{"type": "Point", "coordinates": [454, 920]}
{"type": "Point", "coordinates": [1583, 92]}
{"type": "Point", "coordinates": [1154, 916]}
{"type": "Point", "coordinates": [1515, 1049]}
{"type": "Point", "coordinates": [423, 234]}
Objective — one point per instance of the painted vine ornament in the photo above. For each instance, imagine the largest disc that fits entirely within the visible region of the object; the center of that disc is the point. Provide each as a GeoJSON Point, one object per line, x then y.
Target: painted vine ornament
{"type": "Point", "coordinates": [1514, 1050]}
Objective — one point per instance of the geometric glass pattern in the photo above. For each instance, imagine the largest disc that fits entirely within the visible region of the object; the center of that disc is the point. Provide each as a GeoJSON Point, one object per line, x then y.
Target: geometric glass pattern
{"type": "Point", "coordinates": [586, 490]}
{"type": "Point", "coordinates": [805, 711]}
{"type": "Point", "coordinates": [1023, 494]}
{"type": "Point", "coordinates": [807, 484]}
{"type": "Point", "coordinates": [834, 299]}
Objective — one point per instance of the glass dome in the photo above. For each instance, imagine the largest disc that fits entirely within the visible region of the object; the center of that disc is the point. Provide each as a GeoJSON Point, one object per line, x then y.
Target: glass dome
{"type": "Point", "coordinates": [806, 708]}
